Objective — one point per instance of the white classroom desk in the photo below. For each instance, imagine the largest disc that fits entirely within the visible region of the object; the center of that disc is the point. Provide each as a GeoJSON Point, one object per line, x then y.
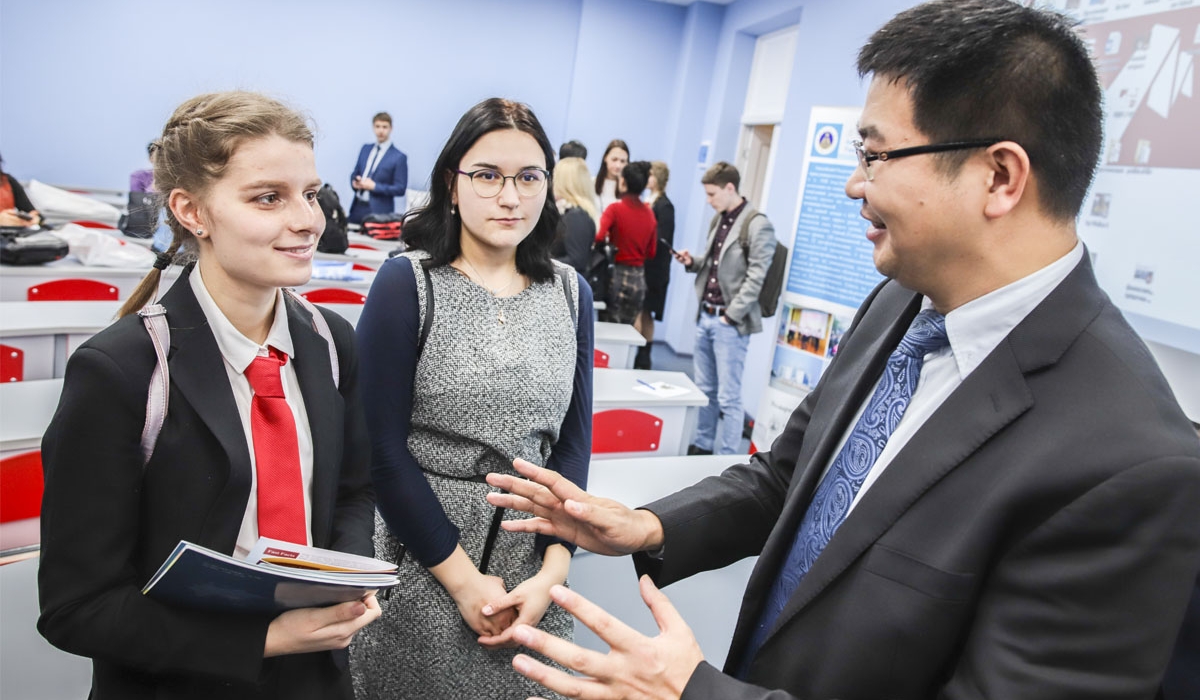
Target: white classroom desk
{"type": "Point", "coordinates": [614, 389]}
{"type": "Point", "coordinates": [15, 280]}
{"type": "Point", "coordinates": [360, 256]}
{"type": "Point", "coordinates": [374, 243]}
{"type": "Point", "coordinates": [709, 601]}
{"type": "Point", "coordinates": [618, 340]}
{"type": "Point", "coordinates": [49, 331]}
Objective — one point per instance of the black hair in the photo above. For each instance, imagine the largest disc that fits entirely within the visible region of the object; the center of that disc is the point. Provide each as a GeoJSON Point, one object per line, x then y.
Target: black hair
{"type": "Point", "coordinates": [995, 69]}
{"type": "Point", "coordinates": [572, 149]}
{"type": "Point", "coordinates": [435, 228]}
{"type": "Point", "coordinates": [636, 174]}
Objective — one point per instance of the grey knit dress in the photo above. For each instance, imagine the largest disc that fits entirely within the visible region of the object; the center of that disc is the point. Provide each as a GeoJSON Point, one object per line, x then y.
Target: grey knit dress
{"type": "Point", "coordinates": [484, 393]}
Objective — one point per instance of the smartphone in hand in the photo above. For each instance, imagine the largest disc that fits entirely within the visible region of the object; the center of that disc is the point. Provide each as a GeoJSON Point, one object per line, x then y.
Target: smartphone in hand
{"type": "Point", "coordinates": [663, 241]}
{"type": "Point", "coordinates": [24, 216]}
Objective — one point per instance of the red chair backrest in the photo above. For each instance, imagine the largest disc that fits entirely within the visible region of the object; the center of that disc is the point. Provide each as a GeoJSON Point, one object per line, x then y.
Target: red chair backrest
{"type": "Point", "coordinates": [362, 246]}
{"type": "Point", "coordinates": [96, 224]}
{"type": "Point", "coordinates": [21, 487]}
{"type": "Point", "coordinates": [72, 289]}
{"type": "Point", "coordinates": [599, 358]}
{"type": "Point", "coordinates": [334, 295]}
{"type": "Point", "coordinates": [363, 268]}
{"type": "Point", "coordinates": [625, 430]}
{"type": "Point", "coordinates": [12, 364]}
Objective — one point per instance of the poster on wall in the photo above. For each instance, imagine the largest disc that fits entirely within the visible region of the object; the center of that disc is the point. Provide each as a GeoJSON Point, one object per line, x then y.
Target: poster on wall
{"type": "Point", "coordinates": [1136, 219]}
{"type": "Point", "coordinates": [829, 274]}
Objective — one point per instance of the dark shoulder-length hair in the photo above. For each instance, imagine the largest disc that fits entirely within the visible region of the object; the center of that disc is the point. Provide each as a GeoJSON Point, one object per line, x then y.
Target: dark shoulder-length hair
{"type": "Point", "coordinates": [602, 173]}
{"type": "Point", "coordinates": [435, 228]}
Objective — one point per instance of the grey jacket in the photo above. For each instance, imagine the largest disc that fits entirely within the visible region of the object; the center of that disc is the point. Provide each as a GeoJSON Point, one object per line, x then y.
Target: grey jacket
{"type": "Point", "coordinates": [741, 272]}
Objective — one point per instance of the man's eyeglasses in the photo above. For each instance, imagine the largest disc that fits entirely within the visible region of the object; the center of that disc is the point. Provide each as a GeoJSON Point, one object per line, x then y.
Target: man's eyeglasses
{"type": "Point", "coordinates": [488, 183]}
{"type": "Point", "coordinates": [865, 159]}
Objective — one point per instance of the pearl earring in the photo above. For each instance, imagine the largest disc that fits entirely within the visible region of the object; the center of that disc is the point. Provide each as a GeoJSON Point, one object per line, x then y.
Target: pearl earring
{"type": "Point", "coordinates": [199, 233]}
{"type": "Point", "coordinates": [453, 210]}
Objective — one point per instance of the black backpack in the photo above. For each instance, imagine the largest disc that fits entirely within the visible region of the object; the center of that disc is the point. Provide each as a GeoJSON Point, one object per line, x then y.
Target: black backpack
{"type": "Point", "coordinates": [768, 296]}
{"type": "Point", "coordinates": [334, 240]}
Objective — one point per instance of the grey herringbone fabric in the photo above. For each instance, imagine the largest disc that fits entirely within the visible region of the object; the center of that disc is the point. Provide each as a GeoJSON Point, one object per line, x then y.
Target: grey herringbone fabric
{"type": "Point", "coordinates": [485, 393]}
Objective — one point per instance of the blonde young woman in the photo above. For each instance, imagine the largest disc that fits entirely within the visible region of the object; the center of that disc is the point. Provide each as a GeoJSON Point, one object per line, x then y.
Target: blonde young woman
{"type": "Point", "coordinates": [577, 227]}
{"type": "Point", "coordinates": [240, 184]}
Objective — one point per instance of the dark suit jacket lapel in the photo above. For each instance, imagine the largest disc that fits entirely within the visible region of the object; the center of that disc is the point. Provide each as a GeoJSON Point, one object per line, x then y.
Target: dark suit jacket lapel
{"type": "Point", "coordinates": [198, 374]}
{"type": "Point", "coordinates": [324, 406]}
{"type": "Point", "coordinates": [990, 398]}
{"type": "Point", "coordinates": [843, 391]}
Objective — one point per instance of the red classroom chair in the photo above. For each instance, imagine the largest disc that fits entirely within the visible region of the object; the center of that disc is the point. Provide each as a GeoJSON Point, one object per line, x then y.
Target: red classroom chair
{"type": "Point", "coordinates": [20, 487]}
{"type": "Point", "coordinates": [625, 430]}
{"type": "Point", "coordinates": [334, 295]}
{"type": "Point", "coordinates": [12, 364]}
{"type": "Point", "coordinates": [72, 289]}
{"type": "Point", "coordinates": [95, 224]}
{"type": "Point", "coordinates": [599, 358]}
{"type": "Point", "coordinates": [363, 246]}
{"type": "Point", "coordinates": [363, 268]}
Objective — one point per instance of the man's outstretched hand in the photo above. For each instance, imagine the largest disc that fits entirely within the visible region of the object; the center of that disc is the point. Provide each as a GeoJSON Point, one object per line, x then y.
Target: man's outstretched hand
{"type": "Point", "coordinates": [562, 509]}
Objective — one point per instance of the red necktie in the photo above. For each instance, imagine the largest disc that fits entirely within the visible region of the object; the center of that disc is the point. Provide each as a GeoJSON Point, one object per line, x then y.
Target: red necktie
{"type": "Point", "coordinates": [276, 453]}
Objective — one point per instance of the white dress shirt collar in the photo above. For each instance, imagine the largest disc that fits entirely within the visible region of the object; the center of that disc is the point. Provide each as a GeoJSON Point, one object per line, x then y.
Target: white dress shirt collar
{"type": "Point", "coordinates": [977, 327]}
{"type": "Point", "coordinates": [238, 350]}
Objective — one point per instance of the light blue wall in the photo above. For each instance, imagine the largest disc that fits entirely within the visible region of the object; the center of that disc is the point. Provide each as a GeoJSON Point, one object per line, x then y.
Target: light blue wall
{"type": "Point", "coordinates": [80, 108]}
{"type": "Point", "coordinates": [77, 105]}
{"type": "Point", "coordinates": [830, 34]}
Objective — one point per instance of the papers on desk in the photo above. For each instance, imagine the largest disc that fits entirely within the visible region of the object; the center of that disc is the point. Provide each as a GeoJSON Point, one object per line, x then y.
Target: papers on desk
{"type": "Point", "coordinates": [662, 390]}
{"type": "Point", "coordinates": [275, 576]}
{"type": "Point", "coordinates": [334, 270]}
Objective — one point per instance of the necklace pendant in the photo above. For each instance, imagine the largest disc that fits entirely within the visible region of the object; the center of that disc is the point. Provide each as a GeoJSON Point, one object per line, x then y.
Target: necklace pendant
{"type": "Point", "coordinates": [502, 319]}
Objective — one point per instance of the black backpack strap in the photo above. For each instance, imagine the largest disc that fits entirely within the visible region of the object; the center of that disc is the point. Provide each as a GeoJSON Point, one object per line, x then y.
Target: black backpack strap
{"type": "Point", "coordinates": [744, 233]}
{"type": "Point", "coordinates": [427, 322]}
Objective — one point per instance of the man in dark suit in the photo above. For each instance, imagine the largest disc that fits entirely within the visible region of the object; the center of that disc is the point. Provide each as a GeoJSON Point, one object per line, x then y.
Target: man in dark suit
{"type": "Point", "coordinates": [992, 492]}
{"type": "Point", "coordinates": [380, 175]}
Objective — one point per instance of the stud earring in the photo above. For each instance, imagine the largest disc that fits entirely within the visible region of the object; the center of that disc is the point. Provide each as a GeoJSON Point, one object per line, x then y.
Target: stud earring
{"type": "Point", "coordinates": [199, 233]}
{"type": "Point", "coordinates": [453, 210]}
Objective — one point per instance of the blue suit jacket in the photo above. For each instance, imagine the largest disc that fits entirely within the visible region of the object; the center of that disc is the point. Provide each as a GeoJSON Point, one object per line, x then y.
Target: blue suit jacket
{"type": "Point", "coordinates": [391, 177]}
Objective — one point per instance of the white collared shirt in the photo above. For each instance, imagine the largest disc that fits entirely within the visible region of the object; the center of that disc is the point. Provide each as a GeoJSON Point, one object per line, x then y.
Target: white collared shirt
{"type": "Point", "coordinates": [974, 330]}
{"type": "Point", "coordinates": [238, 352]}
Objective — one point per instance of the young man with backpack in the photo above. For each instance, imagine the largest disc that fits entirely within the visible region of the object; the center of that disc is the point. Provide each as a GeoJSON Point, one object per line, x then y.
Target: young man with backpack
{"type": "Point", "coordinates": [731, 273]}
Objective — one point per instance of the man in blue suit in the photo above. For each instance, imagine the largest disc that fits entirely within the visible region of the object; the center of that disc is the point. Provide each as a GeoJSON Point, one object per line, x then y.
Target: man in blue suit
{"type": "Point", "coordinates": [380, 175]}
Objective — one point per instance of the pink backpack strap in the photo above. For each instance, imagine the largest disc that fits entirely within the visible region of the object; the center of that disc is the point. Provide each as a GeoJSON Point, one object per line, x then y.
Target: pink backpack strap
{"type": "Point", "coordinates": [322, 329]}
{"type": "Point", "coordinates": [154, 316]}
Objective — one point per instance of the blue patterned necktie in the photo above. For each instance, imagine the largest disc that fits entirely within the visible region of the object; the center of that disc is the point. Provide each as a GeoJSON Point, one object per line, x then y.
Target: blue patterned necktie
{"type": "Point", "coordinates": [831, 502]}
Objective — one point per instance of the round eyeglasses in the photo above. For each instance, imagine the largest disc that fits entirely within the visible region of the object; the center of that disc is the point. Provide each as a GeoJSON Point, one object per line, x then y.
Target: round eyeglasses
{"type": "Point", "coordinates": [866, 159]}
{"type": "Point", "coordinates": [488, 182]}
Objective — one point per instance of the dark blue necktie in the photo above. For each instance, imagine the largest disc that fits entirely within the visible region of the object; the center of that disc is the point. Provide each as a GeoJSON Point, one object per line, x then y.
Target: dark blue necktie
{"type": "Point", "coordinates": [831, 502]}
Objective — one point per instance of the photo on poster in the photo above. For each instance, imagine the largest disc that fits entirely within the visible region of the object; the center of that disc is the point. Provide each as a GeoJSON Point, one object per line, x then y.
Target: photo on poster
{"type": "Point", "coordinates": [795, 371]}
{"type": "Point", "coordinates": [805, 329]}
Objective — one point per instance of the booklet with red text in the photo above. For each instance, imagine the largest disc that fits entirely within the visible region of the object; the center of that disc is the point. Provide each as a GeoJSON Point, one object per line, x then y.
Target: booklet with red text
{"type": "Point", "coordinates": [275, 576]}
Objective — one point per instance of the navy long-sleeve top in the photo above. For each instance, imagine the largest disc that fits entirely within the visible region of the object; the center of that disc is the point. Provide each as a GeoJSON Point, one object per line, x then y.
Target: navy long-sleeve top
{"type": "Point", "coordinates": [388, 334]}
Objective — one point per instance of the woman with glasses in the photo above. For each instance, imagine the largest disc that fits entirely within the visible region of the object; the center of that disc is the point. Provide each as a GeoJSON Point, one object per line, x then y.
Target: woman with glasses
{"type": "Point", "coordinates": [476, 350]}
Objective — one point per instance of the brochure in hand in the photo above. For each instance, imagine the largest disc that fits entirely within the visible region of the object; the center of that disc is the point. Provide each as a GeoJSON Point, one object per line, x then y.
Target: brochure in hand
{"type": "Point", "coordinates": [275, 576]}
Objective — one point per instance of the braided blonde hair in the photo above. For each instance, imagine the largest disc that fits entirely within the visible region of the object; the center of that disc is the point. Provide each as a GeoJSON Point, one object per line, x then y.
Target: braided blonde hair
{"type": "Point", "coordinates": [196, 145]}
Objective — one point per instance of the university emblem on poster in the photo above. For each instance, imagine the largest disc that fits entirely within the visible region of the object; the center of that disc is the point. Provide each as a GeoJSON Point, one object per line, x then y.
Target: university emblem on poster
{"type": "Point", "coordinates": [826, 140]}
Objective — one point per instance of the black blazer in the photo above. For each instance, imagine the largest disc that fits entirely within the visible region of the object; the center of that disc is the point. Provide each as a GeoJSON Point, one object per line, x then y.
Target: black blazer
{"type": "Point", "coordinates": [1037, 538]}
{"type": "Point", "coordinates": [107, 525]}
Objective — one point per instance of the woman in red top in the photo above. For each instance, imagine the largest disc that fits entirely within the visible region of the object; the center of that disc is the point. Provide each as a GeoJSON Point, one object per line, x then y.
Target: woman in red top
{"type": "Point", "coordinates": [629, 225]}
